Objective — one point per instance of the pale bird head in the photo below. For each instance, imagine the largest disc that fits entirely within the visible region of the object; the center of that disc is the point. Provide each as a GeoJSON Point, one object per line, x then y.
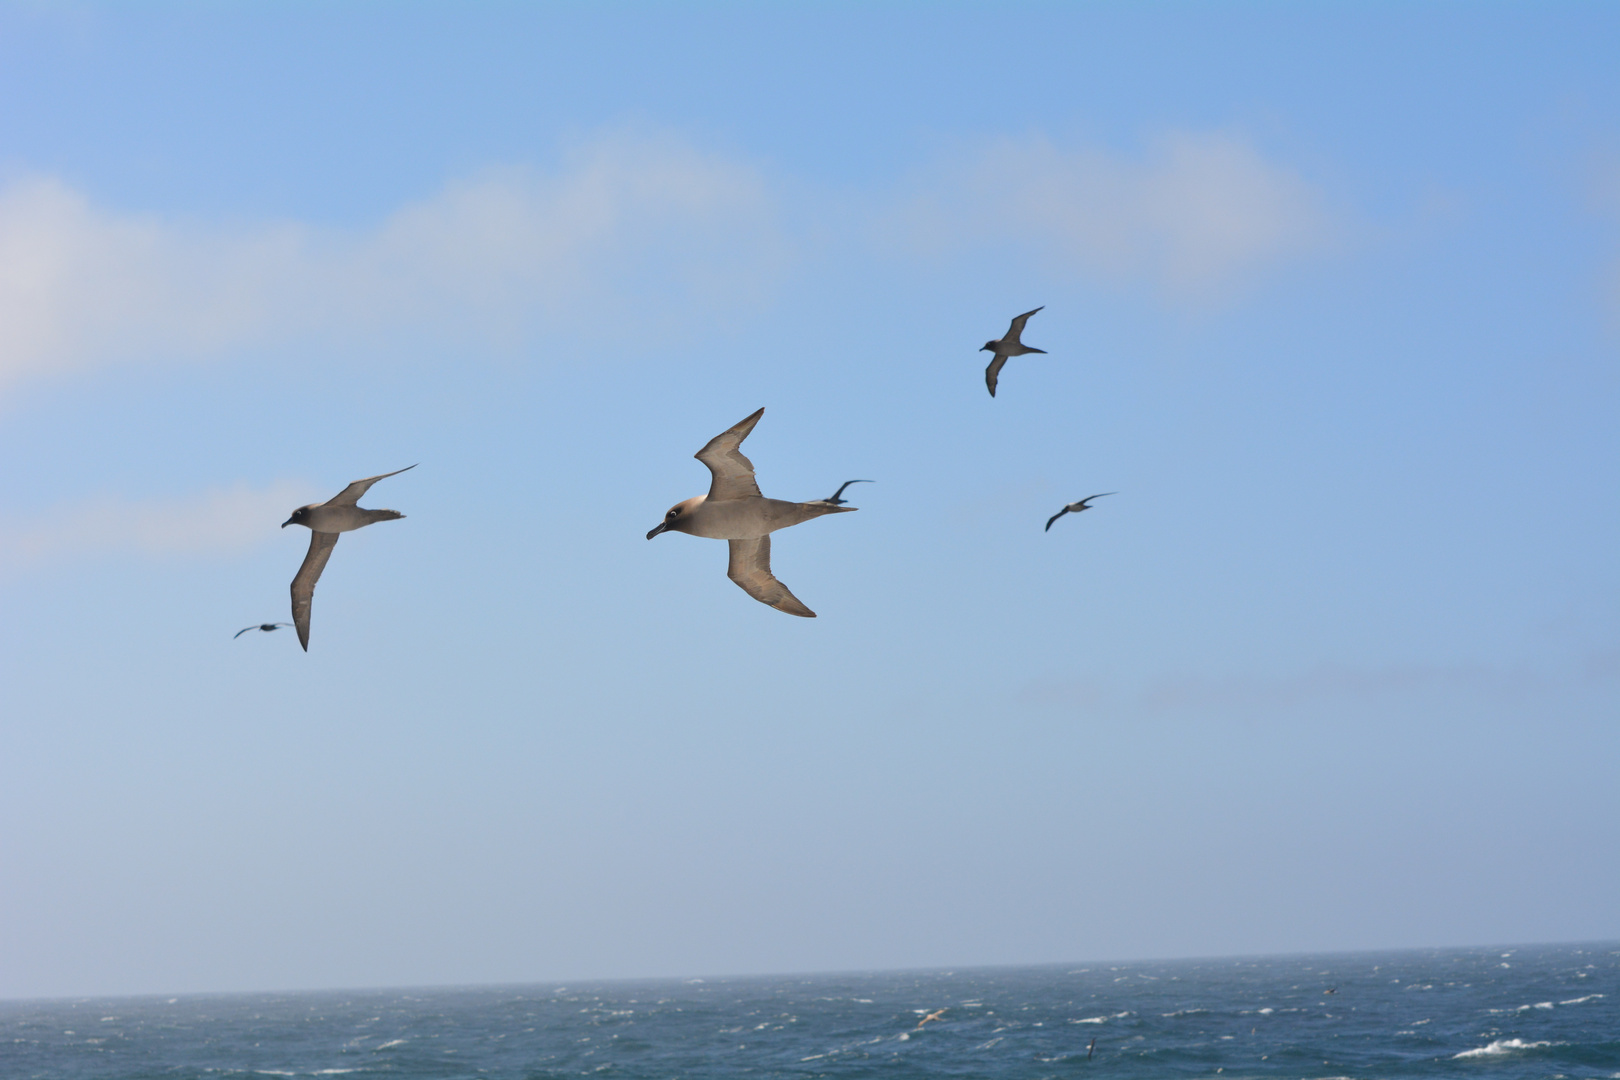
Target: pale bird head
{"type": "Point", "coordinates": [676, 519]}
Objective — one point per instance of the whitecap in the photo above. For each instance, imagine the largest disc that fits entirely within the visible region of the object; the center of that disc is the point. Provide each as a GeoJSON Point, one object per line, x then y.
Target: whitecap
{"type": "Point", "coordinates": [1577, 1001]}
{"type": "Point", "coordinates": [391, 1042]}
{"type": "Point", "coordinates": [1498, 1047]}
{"type": "Point", "coordinates": [1101, 1019]}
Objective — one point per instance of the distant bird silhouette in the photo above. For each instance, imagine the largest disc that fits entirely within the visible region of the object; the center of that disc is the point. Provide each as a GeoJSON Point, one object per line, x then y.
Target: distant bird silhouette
{"type": "Point", "coordinates": [834, 497]}
{"type": "Point", "coordinates": [1009, 345]}
{"type": "Point", "coordinates": [1075, 508]}
{"type": "Point", "coordinates": [1090, 1049]}
{"type": "Point", "coordinates": [1331, 990]}
{"type": "Point", "coordinates": [339, 514]}
{"type": "Point", "coordinates": [935, 1015]}
{"type": "Point", "coordinates": [265, 626]}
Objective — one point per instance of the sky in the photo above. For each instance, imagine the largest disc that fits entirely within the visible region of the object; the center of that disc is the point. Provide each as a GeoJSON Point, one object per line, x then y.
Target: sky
{"type": "Point", "coordinates": [1331, 299]}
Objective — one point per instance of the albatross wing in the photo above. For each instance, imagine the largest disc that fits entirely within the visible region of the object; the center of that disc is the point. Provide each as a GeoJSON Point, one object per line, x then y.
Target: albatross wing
{"type": "Point", "coordinates": [350, 496]}
{"type": "Point", "coordinates": [751, 568]}
{"type": "Point", "coordinates": [993, 372]}
{"type": "Point", "coordinates": [303, 583]}
{"type": "Point", "coordinates": [733, 473]}
{"type": "Point", "coordinates": [1016, 330]}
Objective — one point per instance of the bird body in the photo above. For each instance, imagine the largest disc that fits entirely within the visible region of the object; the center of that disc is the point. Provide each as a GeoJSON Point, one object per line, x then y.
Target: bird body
{"type": "Point", "coordinates": [1010, 344]}
{"type": "Point", "coordinates": [325, 522]}
{"type": "Point", "coordinates": [1075, 508]}
{"type": "Point", "coordinates": [743, 519]}
{"type": "Point", "coordinates": [735, 511]}
{"type": "Point", "coordinates": [326, 518]}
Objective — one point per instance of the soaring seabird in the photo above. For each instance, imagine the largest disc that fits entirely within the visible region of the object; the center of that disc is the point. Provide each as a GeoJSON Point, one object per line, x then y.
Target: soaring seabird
{"type": "Point", "coordinates": [836, 497]}
{"type": "Point", "coordinates": [735, 511]}
{"type": "Point", "coordinates": [1075, 508]}
{"type": "Point", "coordinates": [325, 521]}
{"type": "Point", "coordinates": [265, 626]}
{"type": "Point", "coordinates": [1009, 345]}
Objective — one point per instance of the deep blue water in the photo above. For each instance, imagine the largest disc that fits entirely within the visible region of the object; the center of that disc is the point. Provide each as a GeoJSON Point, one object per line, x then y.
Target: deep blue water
{"type": "Point", "coordinates": [1543, 1011]}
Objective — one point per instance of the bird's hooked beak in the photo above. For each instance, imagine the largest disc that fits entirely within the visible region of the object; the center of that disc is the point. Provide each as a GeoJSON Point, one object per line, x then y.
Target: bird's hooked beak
{"type": "Point", "coordinates": [286, 523]}
{"type": "Point", "coordinates": [986, 348]}
{"type": "Point", "coordinates": [660, 527]}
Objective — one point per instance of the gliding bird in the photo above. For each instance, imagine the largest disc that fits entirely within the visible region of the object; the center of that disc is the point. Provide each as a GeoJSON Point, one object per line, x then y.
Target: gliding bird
{"type": "Point", "coordinates": [339, 514]}
{"type": "Point", "coordinates": [736, 512]}
{"type": "Point", "coordinates": [1009, 345]}
{"type": "Point", "coordinates": [1075, 508]}
{"type": "Point", "coordinates": [265, 626]}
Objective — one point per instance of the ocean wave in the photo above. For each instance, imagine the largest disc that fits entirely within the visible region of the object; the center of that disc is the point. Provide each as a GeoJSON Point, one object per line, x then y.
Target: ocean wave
{"type": "Point", "coordinates": [1186, 1012]}
{"type": "Point", "coordinates": [391, 1042]}
{"type": "Point", "coordinates": [1101, 1019]}
{"type": "Point", "coordinates": [1500, 1046]}
{"type": "Point", "coordinates": [1577, 1001]}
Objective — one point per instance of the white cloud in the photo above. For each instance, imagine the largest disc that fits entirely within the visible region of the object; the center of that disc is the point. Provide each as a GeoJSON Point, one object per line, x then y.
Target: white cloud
{"type": "Point", "coordinates": [219, 521]}
{"type": "Point", "coordinates": [1197, 216]}
{"type": "Point", "coordinates": [632, 237]}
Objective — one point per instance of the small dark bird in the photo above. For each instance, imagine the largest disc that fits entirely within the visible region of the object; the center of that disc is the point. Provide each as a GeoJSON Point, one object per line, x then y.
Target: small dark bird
{"type": "Point", "coordinates": [1091, 1049]}
{"type": "Point", "coordinates": [1009, 345]}
{"type": "Point", "coordinates": [265, 626]}
{"type": "Point", "coordinates": [1075, 508]}
{"type": "Point", "coordinates": [835, 497]}
{"type": "Point", "coordinates": [1331, 990]}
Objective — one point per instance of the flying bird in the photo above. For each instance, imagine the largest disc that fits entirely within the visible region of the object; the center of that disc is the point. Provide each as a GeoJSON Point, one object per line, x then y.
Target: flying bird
{"type": "Point", "coordinates": [835, 497]}
{"type": "Point", "coordinates": [935, 1015]}
{"type": "Point", "coordinates": [1090, 1049]}
{"type": "Point", "coordinates": [265, 626]}
{"type": "Point", "coordinates": [339, 514]}
{"type": "Point", "coordinates": [735, 511]}
{"type": "Point", "coordinates": [1009, 345]}
{"type": "Point", "coordinates": [1075, 508]}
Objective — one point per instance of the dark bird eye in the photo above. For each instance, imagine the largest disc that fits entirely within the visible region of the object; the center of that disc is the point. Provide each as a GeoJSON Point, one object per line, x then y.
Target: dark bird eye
{"type": "Point", "coordinates": [671, 514]}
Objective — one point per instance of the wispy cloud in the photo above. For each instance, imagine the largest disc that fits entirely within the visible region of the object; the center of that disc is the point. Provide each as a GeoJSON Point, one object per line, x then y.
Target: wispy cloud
{"type": "Point", "coordinates": [660, 235]}
{"type": "Point", "coordinates": [220, 521]}
{"type": "Point", "coordinates": [1196, 217]}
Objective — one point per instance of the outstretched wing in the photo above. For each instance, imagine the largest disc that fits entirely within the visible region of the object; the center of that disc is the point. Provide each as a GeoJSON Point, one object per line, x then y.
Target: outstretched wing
{"type": "Point", "coordinates": [242, 631]}
{"type": "Point", "coordinates": [350, 496]}
{"type": "Point", "coordinates": [733, 473]}
{"type": "Point", "coordinates": [840, 492]}
{"type": "Point", "coordinates": [993, 372]}
{"type": "Point", "coordinates": [751, 568]}
{"type": "Point", "coordinates": [1053, 518]}
{"type": "Point", "coordinates": [1017, 327]}
{"type": "Point", "coordinates": [303, 583]}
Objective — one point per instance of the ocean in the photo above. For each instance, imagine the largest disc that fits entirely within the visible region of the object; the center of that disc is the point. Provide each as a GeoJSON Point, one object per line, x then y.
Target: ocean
{"type": "Point", "coordinates": [1501, 1013]}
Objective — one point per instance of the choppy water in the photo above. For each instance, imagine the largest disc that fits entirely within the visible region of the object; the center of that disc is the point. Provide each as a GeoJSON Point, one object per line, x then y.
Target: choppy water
{"type": "Point", "coordinates": [1498, 1013]}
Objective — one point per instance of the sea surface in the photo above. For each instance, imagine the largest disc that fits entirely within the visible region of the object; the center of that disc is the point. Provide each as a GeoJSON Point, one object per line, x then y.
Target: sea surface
{"type": "Point", "coordinates": [1543, 1011]}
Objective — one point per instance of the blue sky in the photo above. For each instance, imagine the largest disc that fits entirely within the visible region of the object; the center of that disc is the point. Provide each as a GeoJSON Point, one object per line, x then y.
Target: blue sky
{"type": "Point", "coordinates": [1332, 300]}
